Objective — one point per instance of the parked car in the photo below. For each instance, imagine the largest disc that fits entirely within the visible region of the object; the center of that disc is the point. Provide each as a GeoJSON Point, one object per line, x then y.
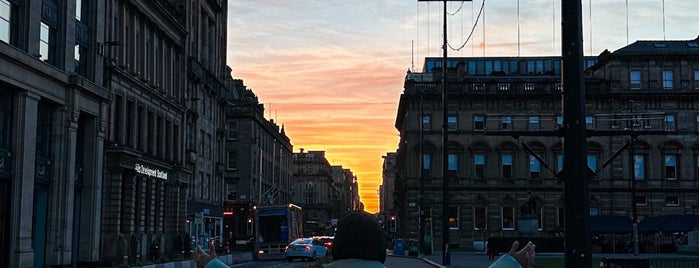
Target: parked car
{"type": "Point", "coordinates": [306, 249]}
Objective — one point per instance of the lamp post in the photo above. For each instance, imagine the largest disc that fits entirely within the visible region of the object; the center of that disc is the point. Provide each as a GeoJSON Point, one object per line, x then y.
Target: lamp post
{"type": "Point", "coordinates": [446, 256]}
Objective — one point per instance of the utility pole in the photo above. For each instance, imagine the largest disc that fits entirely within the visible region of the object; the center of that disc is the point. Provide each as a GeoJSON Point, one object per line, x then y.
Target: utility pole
{"type": "Point", "coordinates": [446, 255]}
{"type": "Point", "coordinates": [575, 179]}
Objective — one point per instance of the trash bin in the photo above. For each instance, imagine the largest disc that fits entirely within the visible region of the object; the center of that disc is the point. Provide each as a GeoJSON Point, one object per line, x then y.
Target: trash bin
{"type": "Point", "coordinates": [399, 247]}
{"type": "Point", "coordinates": [625, 263]}
{"type": "Point", "coordinates": [414, 248]}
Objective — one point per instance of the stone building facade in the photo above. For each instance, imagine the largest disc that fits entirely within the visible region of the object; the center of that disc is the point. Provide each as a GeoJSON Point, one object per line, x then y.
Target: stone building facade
{"type": "Point", "coordinates": [53, 126]}
{"type": "Point", "coordinates": [640, 102]}
{"type": "Point", "coordinates": [313, 191]}
{"type": "Point", "coordinates": [164, 152]}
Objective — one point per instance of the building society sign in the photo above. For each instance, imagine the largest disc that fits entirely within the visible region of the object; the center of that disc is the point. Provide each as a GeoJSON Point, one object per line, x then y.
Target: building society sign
{"type": "Point", "coordinates": [151, 172]}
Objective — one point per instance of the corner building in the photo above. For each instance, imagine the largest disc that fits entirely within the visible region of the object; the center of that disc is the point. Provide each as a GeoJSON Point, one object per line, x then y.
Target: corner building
{"type": "Point", "coordinates": [53, 126]}
{"type": "Point", "coordinates": [641, 105]}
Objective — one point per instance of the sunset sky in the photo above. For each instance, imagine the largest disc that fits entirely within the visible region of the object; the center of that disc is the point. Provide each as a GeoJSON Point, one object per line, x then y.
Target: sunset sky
{"type": "Point", "coordinates": [332, 71]}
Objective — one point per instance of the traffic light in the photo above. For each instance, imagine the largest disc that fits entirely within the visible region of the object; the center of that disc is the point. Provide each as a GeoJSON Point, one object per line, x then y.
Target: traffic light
{"type": "Point", "coordinates": [392, 223]}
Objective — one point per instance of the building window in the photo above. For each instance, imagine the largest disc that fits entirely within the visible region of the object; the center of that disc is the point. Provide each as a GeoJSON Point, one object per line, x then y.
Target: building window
{"type": "Point", "coordinates": [672, 201]}
{"type": "Point", "coordinates": [452, 123]}
{"type": "Point", "coordinates": [696, 165]}
{"type": "Point", "coordinates": [667, 79]}
{"type": "Point", "coordinates": [592, 162]}
{"type": "Point", "coordinates": [479, 122]}
{"type": "Point", "coordinates": [479, 217]}
{"type": "Point", "coordinates": [561, 219]}
{"type": "Point", "coordinates": [641, 200]}
{"type": "Point", "coordinates": [5, 20]}
{"type": "Point", "coordinates": [696, 79]}
{"type": "Point", "coordinates": [670, 122]}
{"type": "Point", "coordinates": [426, 123]}
{"type": "Point", "coordinates": [232, 163]}
{"type": "Point", "coordinates": [454, 218]}
{"type": "Point", "coordinates": [6, 108]}
{"type": "Point", "coordinates": [589, 122]}
{"type": "Point", "coordinates": [506, 123]}
{"type": "Point", "coordinates": [639, 167]}
{"type": "Point", "coordinates": [503, 86]}
{"type": "Point", "coordinates": [232, 131]}
{"type": "Point", "coordinates": [506, 166]}
{"type": "Point", "coordinates": [594, 211]}
{"type": "Point", "coordinates": [635, 78]}
{"type": "Point", "coordinates": [426, 159]}
{"type": "Point", "coordinates": [534, 167]}
{"type": "Point", "coordinates": [671, 167]}
{"type": "Point", "coordinates": [508, 218]}
{"type": "Point", "coordinates": [559, 162]}
{"type": "Point", "coordinates": [44, 41]}
{"type": "Point", "coordinates": [529, 86]}
{"type": "Point", "coordinates": [533, 123]}
{"type": "Point", "coordinates": [453, 165]}
{"type": "Point", "coordinates": [540, 218]}
{"type": "Point", "coordinates": [697, 123]}
{"type": "Point", "coordinates": [479, 165]}
{"type": "Point", "coordinates": [559, 121]}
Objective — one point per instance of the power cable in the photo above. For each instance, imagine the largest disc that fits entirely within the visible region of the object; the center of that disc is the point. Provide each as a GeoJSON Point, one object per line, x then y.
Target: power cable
{"type": "Point", "coordinates": [472, 30]}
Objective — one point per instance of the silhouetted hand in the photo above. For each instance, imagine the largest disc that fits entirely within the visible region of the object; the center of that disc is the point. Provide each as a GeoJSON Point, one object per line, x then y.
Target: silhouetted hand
{"type": "Point", "coordinates": [201, 258]}
{"type": "Point", "coordinates": [524, 256]}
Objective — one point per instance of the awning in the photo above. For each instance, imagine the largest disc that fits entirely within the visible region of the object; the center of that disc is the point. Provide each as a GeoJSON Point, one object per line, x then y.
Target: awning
{"type": "Point", "coordinates": [610, 224]}
{"type": "Point", "coordinates": [668, 223]}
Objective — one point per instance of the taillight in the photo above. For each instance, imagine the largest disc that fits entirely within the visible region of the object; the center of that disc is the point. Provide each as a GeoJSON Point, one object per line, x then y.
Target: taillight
{"type": "Point", "coordinates": [286, 248]}
{"type": "Point", "coordinates": [328, 244]}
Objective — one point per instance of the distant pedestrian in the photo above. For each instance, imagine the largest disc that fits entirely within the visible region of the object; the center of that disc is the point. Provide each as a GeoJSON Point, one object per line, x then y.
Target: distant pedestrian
{"type": "Point", "coordinates": [491, 251]}
{"type": "Point", "coordinates": [359, 242]}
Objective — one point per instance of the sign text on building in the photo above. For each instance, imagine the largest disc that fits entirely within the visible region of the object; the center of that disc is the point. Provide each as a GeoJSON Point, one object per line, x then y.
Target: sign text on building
{"type": "Point", "coordinates": [151, 172]}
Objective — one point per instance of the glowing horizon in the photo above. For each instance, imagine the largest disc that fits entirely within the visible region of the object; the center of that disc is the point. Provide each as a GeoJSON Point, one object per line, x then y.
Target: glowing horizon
{"type": "Point", "coordinates": [332, 71]}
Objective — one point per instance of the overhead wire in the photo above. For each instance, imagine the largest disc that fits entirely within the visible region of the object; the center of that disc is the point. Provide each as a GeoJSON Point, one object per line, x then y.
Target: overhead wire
{"type": "Point", "coordinates": [475, 23]}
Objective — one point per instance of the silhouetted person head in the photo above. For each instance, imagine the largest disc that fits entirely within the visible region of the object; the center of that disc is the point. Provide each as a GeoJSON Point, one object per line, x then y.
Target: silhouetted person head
{"type": "Point", "coordinates": [359, 236]}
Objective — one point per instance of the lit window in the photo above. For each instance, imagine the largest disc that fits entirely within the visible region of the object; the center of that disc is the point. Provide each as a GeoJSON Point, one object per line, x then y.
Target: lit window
{"type": "Point", "coordinates": [594, 211]}
{"type": "Point", "coordinates": [507, 165]}
{"type": "Point", "coordinates": [479, 122]}
{"type": "Point", "coordinates": [508, 218]}
{"type": "Point", "coordinates": [506, 123]}
{"type": "Point", "coordinates": [534, 167]}
{"type": "Point", "coordinates": [533, 123]}
{"type": "Point", "coordinates": [671, 167]}
{"type": "Point", "coordinates": [504, 86]}
{"type": "Point", "coordinates": [635, 77]}
{"type": "Point", "coordinates": [529, 87]}
{"type": "Point", "coordinates": [696, 79]}
{"type": "Point", "coordinates": [479, 165]}
{"type": "Point", "coordinates": [667, 80]}
{"type": "Point", "coordinates": [639, 167]}
{"type": "Point", "coordinates": [559, 121]}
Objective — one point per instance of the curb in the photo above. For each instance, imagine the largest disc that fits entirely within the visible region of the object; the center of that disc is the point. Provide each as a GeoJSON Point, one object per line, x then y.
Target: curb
{"type": "Point", "coordinates": [413, 257]}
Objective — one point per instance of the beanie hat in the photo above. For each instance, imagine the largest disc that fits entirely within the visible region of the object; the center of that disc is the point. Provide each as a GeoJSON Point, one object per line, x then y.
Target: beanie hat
{"type": "Point", "coordinates": [359, 236]}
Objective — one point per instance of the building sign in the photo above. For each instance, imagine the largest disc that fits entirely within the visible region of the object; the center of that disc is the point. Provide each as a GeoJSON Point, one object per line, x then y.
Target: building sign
{"type": "Point", "coordinates": [151, 172]}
